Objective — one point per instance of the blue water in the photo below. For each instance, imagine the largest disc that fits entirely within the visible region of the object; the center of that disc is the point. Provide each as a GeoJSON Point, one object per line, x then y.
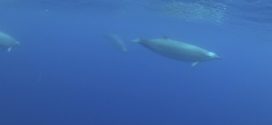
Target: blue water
{"type": "Point", "coordinates": [66, 73]}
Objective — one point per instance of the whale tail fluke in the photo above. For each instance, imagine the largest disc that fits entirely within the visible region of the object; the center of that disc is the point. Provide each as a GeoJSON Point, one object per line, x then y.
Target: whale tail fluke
{"type": "Point", "coordinates": [118, 42]}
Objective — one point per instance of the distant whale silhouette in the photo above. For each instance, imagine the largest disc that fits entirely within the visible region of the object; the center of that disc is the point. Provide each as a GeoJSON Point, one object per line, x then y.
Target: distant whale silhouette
{"type": "Point", "coordinates": [178, 50]}
{"type": "Point", "coordinates": [7, 42]}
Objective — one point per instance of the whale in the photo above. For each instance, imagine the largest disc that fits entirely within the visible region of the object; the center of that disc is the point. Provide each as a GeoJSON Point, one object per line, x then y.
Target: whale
{"type": "Point", "coordinates": [178, 50]}
{"type": "Point", "coordinates": [7, 42]}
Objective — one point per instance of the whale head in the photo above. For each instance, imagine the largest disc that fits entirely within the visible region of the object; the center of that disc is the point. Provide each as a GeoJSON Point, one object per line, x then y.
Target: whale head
{"type": "Point", "coordinates": [213, 55]}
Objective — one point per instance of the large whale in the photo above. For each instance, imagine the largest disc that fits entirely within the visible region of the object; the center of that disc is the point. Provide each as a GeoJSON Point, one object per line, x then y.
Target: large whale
{"type": "Point", "coordinates": [7, 42]}
{"type": "Point", "coordinates": [178, 50]}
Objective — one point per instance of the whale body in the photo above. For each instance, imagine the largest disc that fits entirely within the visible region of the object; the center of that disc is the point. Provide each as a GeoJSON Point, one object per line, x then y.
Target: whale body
{"type": "Point", "coordinates": [7, 42]}
{"type": "Point", "coordinates": [178, 50]}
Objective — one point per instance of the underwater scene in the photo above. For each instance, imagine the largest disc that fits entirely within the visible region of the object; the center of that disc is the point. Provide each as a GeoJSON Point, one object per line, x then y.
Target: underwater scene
{"type": "Point", "coordinates": [136, 62]}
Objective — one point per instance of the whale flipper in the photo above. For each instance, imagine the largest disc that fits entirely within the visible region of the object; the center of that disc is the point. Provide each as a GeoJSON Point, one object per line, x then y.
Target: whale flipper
{"type": "Point", "coordinates": [9, 49]}
{"type": "Point", "coordinates": [194, 64]}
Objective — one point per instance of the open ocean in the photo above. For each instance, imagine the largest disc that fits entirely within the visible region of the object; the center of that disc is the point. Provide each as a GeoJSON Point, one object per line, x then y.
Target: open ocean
{"type": "Point", "coordinates": [67, 71]}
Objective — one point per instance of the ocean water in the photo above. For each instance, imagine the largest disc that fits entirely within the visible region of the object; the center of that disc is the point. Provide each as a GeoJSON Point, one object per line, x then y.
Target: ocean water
{"type": "Point", "coordinates": [68, 72]}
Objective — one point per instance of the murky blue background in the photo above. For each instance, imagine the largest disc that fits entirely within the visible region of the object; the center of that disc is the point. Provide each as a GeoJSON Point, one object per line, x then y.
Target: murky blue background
{"type": "Point", "coordinates": [66, 71]}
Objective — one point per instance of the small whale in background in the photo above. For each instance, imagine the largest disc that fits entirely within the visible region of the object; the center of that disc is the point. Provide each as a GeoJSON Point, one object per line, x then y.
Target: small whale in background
{"type": "Point", "coordinates": [178, 50]}
{"type": "Point", "coordinates": [7, 42]}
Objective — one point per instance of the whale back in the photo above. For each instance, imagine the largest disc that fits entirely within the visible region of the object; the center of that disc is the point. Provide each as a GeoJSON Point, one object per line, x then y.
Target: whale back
{"type": "Point", "coordinates": [177, 50]}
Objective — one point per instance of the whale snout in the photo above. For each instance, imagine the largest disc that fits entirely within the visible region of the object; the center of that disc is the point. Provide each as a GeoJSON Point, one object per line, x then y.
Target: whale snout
{"type": "Point", "coordinates": [214, 56]}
